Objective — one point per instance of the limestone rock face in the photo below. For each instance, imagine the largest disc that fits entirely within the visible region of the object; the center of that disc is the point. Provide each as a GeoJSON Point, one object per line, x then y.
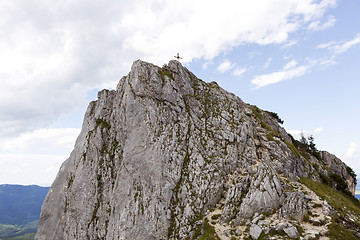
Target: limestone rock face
{"type": "Point", "coordinates": [156, 154]}
{"type": "Point", "coordinates": [291, 231]}
{"type": "Point", "coordinates": [264, 193]}
{"type": "Point", "coordinates": [339, 168]}
{"type": "Point", "coordinates": [294, 206]}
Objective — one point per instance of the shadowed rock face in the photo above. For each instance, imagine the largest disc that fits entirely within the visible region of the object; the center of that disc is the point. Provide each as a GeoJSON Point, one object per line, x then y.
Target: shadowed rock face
{"type": "Point", "coordinates": [159, 151]}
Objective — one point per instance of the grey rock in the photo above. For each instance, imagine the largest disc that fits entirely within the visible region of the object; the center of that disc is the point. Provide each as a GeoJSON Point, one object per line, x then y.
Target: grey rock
{"type": "Point", "coordinates": [238, 232]}
{"type": "Point", "coordinates": [233, 199]}
{"type": "Point", "coordinates": [291, 231]}
{"type": "Point", "coordinates": [307, 197]}
{"type": "Point", "coordinates": [264, 195]}
{"type": "Point", "coordinates": [163, 148]}
{"type": "Point", "coordinates": [327, 209]}
{"type": "Point", "coordinates": [311, 234]}
{"type": "Point", "coordinates": [281, 226]}
{"type": "Point", "coordinates": [294, 206]}
{"type": "Point", "coordinates": [199, 223]}
{"type": "Point", "coordinates": [263, 222]}
{"type": "Point", "coordinates": [338, 167]}
{"type": "Point", "coordinates": [256, 219]}
{"type": "Point", "coordinates": [255, 231]}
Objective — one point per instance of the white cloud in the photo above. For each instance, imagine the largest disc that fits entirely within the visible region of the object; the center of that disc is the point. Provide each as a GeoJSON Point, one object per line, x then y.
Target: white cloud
{"type": "Point", "coordinates": [225, 66]}
{"type": "Point", "coordinates": [267, 64]}
{"type": "Point", "coordinates": [341, 47]}
{"type": "Point", "coordinates": [40, 140]}
{"type": "Point", "coordinates": [53, 52]}
{"type": "Point", "coordinates": [289, 71]}
{"type": "Point", "coordinates": [205, 65]}
{"type": "Point", "coordinates": [239, 71]}
{"type": "Point", "coordinates": [326, 45]}
{"type": "Point", "coordinates": [22, 158]}
{"type": "Point", "coordinates": [318, 130]}
{"type": "Point", "coordinates": [290, 43]}
{"type": "Point", "coordinates": [351, 150]}
{"type": "Point", "coordinates": [317, 26]}
{"type": "Point", "coordinates": [28, 169]}
{"type": "Point", "coordinates": [297, 133]}
{"type": "Point", "coordinates": [290, 64]}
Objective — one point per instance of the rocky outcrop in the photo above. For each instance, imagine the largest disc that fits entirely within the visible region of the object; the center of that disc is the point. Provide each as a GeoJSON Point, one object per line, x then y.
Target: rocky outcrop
{"type": "Point", "coordinates": [294, 206]}
{"type": "Point", "coordinates": [338, 171]}
{"type": "Point", "coordinates": [158, 153]}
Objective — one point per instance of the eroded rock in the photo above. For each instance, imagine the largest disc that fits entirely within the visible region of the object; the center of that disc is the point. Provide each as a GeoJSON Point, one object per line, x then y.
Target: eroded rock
{"type": "Point", "coordinates": [294, 206]}
{"type": "Point", "coordinates": [157, 153]}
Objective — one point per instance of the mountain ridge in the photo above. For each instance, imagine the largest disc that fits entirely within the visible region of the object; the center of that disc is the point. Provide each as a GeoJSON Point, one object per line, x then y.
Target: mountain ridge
{"type": "Point", "coordinates": [20, 207]}
{"type": "Point", "coordinates": [172, 147]}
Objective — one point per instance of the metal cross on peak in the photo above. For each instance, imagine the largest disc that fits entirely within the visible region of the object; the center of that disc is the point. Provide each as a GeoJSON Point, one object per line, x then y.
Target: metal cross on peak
{"type": "Point", "coordinates": [178, 57]}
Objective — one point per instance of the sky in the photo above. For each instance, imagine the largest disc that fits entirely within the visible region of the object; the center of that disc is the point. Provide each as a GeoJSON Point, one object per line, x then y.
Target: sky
{"type": "Point", "coordinates": [298, 58]}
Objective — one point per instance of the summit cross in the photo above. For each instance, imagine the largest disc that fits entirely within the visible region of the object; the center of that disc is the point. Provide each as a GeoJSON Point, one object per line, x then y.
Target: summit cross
{"type": "Point", "coordinates": [178, 57]}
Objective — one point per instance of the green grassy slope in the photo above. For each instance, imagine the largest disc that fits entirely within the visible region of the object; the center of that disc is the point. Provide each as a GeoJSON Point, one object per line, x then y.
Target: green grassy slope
{"type": "Point", "coordinates": [346, 219]}
{"type": "Point", "coordinates": [27, 231]}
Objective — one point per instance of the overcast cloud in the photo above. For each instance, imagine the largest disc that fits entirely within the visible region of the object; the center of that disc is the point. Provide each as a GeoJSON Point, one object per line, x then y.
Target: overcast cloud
{"type": "Point", "coordinates": [54, 52]}
{"type": "Point", "coordinates": [55, 55]}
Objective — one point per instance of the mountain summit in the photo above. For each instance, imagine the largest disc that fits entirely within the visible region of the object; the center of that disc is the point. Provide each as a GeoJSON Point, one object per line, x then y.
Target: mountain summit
{"type": "Point", "coordinates": [169, 156]}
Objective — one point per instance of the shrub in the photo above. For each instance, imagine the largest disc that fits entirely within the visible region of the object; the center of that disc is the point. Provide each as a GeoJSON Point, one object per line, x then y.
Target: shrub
{"type": "Point", "coordinates": [351, 173]}
{"type": "Point", "coordinates": [276, 117]}
{"type": "Point", "coordinates": [340, 183]}
{"type": "Point", "coordinates": [215, 216]}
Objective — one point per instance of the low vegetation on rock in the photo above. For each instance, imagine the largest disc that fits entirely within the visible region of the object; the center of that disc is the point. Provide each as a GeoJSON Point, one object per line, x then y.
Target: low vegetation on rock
{"type": "Point", "coordinates": [169, 156]}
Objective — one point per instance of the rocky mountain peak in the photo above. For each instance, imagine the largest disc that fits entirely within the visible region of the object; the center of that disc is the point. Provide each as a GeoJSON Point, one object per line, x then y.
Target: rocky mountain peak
{"type": "Point", "coordinates": [146, 79]}
{"type": "Point", "coordinates": [169, 156]}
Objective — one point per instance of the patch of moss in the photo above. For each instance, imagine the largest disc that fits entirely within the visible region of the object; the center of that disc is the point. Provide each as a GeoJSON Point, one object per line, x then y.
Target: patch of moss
{"type": "Point", "coordinates": [316, 166]}
{"type": "Point", "coordinates": [163, 72]}
{"type": "Point", "coordinates": [257, 112]}
{"type": "Point", "coordinates": [265, 126]}
{"type": "Point", "coordinates": [233, 232]}
{"type": "Point", "coordinates": [317, 205]}
{"type": "Point", "coordinates": [270, 136]}
{"type": "Point", "coordinates": [102, 123]}
{"type": "Point", "coordinates": [208, 232]}
{"type": "Point", "coordinates": [71, 180]}
{"type": "Point", "coordinates": [293, 149]}
{"type": "Point", "coordinates": [338, 232]}
{"type": "Point", "coordinates": [215, 216]}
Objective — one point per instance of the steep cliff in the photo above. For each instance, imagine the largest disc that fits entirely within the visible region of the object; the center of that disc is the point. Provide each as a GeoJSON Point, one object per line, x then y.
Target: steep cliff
{"type": "Point", "coordinates": [169, 156]}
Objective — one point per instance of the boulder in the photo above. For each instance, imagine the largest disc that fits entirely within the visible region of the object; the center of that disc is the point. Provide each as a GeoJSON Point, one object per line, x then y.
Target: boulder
{"type": "Point", "coordinates": [291, 231]}
{"type": "Point", "coordinates": [255, 231]}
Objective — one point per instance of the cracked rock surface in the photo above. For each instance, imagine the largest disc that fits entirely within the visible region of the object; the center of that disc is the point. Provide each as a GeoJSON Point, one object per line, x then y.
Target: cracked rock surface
{"type": "Point", "coordinates": [158, 153]}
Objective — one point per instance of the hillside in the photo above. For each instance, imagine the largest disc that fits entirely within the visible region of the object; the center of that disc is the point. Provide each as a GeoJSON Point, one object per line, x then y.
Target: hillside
{"type": "Point", "coordinates": [169, 156]}
{"type": "Point", "coordinates": [20, 208]}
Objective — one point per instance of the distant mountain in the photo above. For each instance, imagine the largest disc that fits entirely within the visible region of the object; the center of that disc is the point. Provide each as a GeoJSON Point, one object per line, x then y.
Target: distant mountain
{"type": "Point", "coordinates": [20, 210]}
{"type": "Point", "coordinates": [21, 204]}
